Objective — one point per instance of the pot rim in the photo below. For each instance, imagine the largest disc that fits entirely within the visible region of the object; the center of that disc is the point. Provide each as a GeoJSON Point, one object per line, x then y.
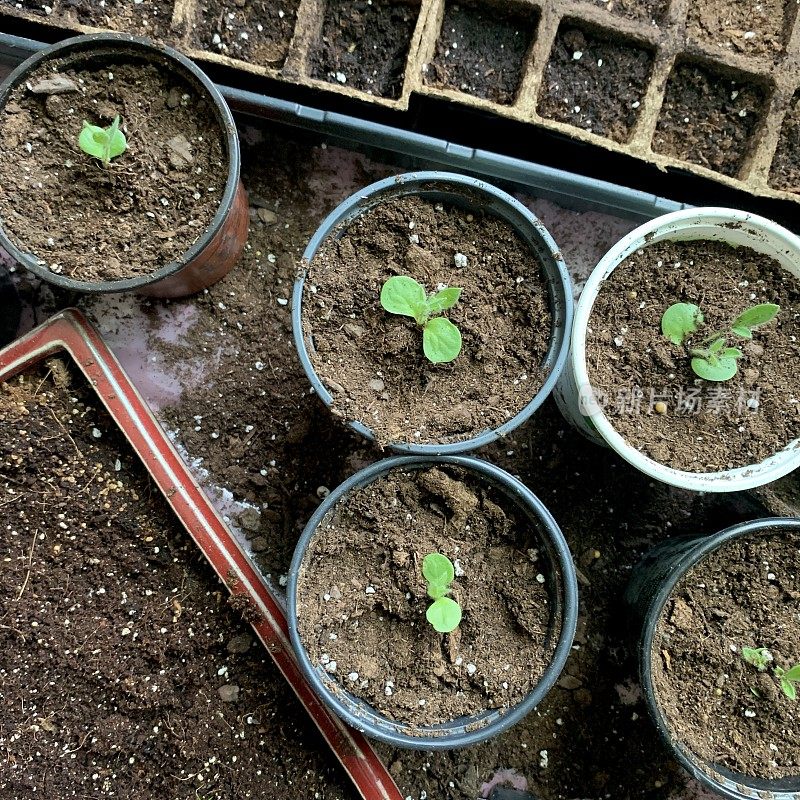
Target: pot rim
{"type": "Point", "coordinates": [732, 480]}
{"type": "Point", "coordinates": [562, 562]}
{"type": "Point", "coordinates": [736, 789]}
{"type": "Point", "coordinates": [562, 306]}
{"type": "Point", "coordinates": [194, 75]}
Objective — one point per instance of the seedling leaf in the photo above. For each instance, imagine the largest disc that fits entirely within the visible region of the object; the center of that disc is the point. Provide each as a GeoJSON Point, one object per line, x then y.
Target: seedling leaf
{"type": "Point", "coordinates": [740, 330]}
{"type": "Point", "coordinates": [444, 614]}
{"type": "Point", "coordinates": [759, 657]}
{"type": "Point", "coordinates": [756, 315]}
{"type": "Point", "coordinates": [788, 688]}
{"type": "Point", "coordinates": [441, 340]}
{"type": "Point", "coordinates": [722, 369]}
{"type": "Point", "coordinates": [438, 569]}
{"type": "Point", "coordinates": [793, 674]}
{"type": "Point", "coordinates": [403, 295]}
{"type": "Point", "coordinates": [103, 143]}
{"type": "Point", "coordinates": [680, 320]}
{"type": "Point", "coordinates": [443, 299]}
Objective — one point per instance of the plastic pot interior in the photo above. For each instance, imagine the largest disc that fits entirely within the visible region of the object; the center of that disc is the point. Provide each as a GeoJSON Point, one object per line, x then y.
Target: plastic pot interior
{"type": "Point", "coordinates": [474, 195]}
{"type": "Point", "coordinates": [104, 50]}
{"type": "Point", "coordinates": [465, 730]}
{"type": "Point", "coordinates": [738, 228]}
{"type": "Point", "coordinates": [652, 586]}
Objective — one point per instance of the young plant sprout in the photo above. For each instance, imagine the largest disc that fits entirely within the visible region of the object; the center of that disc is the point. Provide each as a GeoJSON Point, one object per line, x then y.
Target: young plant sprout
{"type": "Point", "coordinates": [103, 143]}
{"type": "Point", "coordinates": [441, 340]}
{"type": "Point", "coordinates": [712, 359]}
{"type": "Point", "coordinates": [443, 613]}
{"type": "Point", "coordinates": [761, 658]}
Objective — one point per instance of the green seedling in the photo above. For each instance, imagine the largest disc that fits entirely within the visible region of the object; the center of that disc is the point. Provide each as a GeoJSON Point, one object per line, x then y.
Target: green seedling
{"type": "Point", "coordinates": [441, 340]}
{"type": "Point", "coordinates": [712, 358]}
{"type": "Point", "coordinates": [103, 143]}
{"type": "Point", "coordinates": [443, 613]}
{"type": "Point", "coordinates": [761, 658]}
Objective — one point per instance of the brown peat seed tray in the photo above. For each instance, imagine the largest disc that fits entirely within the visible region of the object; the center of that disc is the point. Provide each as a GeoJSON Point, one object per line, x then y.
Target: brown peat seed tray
{"type": "Point", "coordinates": [710, 90]}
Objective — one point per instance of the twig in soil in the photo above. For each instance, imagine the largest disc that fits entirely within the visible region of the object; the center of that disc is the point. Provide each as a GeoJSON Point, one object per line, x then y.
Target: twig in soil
{"type": "Point", "coordinates": [42, 382]}
{"type": "Point", "coordinates": [66, 432]}
{"type": "Point", "coordinates": [30, 564]}
{"type": "Point", "coordinates": [16, 630]}
{"type": "Point", "coordinates": [75, 750]}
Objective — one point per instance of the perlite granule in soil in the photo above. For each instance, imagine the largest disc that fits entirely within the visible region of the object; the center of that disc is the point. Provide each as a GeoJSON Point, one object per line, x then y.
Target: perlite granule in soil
{"type": "Point", "coordinates": [124, 671]}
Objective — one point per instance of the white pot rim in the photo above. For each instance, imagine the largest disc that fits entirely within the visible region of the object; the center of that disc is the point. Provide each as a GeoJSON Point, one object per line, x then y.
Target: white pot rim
{"type": "Point", "coordinates": [732, 480]}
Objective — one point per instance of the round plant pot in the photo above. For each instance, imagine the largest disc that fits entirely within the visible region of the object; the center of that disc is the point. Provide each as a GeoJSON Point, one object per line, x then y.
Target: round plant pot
{"type": "Point", "coordinates": [646, 596]}
{"type": "Point", "coordinates": [562, 604]}
{"type": "Point", "coordinates": [470, 194]}
{"type": "Point", "coordinates": [575, 395]}
{"type": "Point", "coordinates": [217, 248]}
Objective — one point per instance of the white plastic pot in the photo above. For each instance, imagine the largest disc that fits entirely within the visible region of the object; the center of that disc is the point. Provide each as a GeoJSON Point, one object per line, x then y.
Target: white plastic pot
{"type": "Point", "coordinates": [574, 394]}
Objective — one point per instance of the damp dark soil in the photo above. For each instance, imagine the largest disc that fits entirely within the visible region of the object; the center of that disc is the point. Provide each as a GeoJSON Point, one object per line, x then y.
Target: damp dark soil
{"type": "Point", "coordinates": [594, 83]}
{"type": "Point", "coordinates": [481, 51]}
{"type": "Point", "coordinates": [256, 31]}
{"type": "Point", "coordinates": [785, 171]}
{"type": "Point", "coordinates": [147, 207]}
{"type": "Point", "coordinates": [373, 362]}
{"type": "Point", "coordinates": [610, 513]}
{"type": "Point", "coordinates": [708, 119]}
{"type": "Point", "coordinates": [362, 598]}
{"type": "Point", "coordinates": [652, 11]}
{"type": "Point", "coordinates": [125, 672]}
{"type": "Point", "coordinates": [33, 6]}
{"type": "Point", "coordinates": [726, 712]}
{"type": "Point", "coordinates": [151, 18]}
{"type": "Point", "coordinates": [364, 44]}
{"type": "Point", "coordinates": [707, 426]}
{"type": "Point", "coordinates": [756, 29]}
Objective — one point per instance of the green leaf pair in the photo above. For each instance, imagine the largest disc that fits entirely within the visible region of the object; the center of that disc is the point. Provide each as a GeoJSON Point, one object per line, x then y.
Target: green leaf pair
{"type": "Point", "coordinates": [103, 143]}
{"type": "Point", "coordinates": [761, 658]}
{"type": "Point", "coordinates": [713, 360]}
{"type": "Point", "coordinates": [441, 340]}
{"type": "Point", "coordinates": [444, 613]}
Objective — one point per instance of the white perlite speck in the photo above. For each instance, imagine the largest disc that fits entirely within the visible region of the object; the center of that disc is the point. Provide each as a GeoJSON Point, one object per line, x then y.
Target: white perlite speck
{"type": "Point", "coordinates": [460, 260]}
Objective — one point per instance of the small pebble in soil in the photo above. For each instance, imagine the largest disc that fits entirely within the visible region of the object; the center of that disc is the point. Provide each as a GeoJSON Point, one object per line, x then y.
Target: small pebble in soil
{"type": "Point", "coordinates": [660, 407]}
{"type": "Point", "coordinates": [323, 492]}
{"type": "Point", "coordinates": [228, 693]}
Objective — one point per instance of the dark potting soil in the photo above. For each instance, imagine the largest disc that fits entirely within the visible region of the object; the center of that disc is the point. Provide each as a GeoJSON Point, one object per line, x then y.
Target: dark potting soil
{"type": "Point", "coordinates": [124, 671]}
{"type": "Point", "coordinates": [481, 50]}
{"type": "Point", "coordinates": [372, 361]}
{"type": "Point", "coordinates": [33, 6]}
{"type": "Point", "coordinates": [364, 44]}
{"type": "Point", "coordinates": [256, 31]}
{"type": "Point", "coordinates": [746, 594]}
{"type": "Point", "coordinates": [757, 29]}
{"type": "Point", "coordinates": [785, 171]}
{"type": "Point", "coordinates": [653, 11]}
{"type": "Point", "coordinates": [151, 18]}
{"type": "Point", "coordinates": [593, 726]}
{"type": "Point", "coordinates": [146, 208]}
{"type": "Point", "coordinates": [708, 119]}
{"type": "Point", "coordinates": [362, 598]}
{"type": "Point", "coordinates": [595, 83]}
{"type": "Point", "coordinates": [707, 426]}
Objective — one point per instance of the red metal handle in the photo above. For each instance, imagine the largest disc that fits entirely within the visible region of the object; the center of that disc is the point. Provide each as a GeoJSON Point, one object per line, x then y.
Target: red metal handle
{"type": "Point", "coordinates": [71, 332]}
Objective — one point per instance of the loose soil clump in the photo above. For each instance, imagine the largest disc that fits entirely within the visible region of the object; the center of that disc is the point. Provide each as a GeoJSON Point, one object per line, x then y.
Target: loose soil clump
{"type": "Point", "coordinates": [708, 119]}
{"type": "Point", "coordinates": [785, 172]}
{"type": "Point", "coordinates": [707, 426]}
{"type": "Point", "coordinates": [595, 83]}
{"type": "Point", "coordinates": [746, 594]}
{"type": "Point", "coordinates": [373, 362]}
{"type": "Point", "coordinates": [481, 51]}
{"type": "Point", "coordinates": [653, 11]}
{"type": "Point", "coordinates": [365, 45]}
{"type": "Point", "coordinates": [146, 208]}
{"type": "Point", "coordinates": [125, 673]}
{"type": "Point", "coordinates": [362, 598]}
{"type": "Point", "coordinates": [256, 31]}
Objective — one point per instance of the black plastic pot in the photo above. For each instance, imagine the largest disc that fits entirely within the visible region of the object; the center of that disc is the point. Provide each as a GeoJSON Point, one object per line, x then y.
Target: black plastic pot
{"type": "Point", "coordinates": [650, 587]}
{"type": "Point", "coordinates": [466, 730]}
{"type": "Point", "coordinates": [10, 308]}
{"type": "Point", "coordinates": [476, 195]}
{"type": "Point", "coordinates": [216, 251]}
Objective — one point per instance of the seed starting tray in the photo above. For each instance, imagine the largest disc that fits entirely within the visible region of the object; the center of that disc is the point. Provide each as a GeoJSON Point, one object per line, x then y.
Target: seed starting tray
{"type": "Point", "coordinates": [669, 82]}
